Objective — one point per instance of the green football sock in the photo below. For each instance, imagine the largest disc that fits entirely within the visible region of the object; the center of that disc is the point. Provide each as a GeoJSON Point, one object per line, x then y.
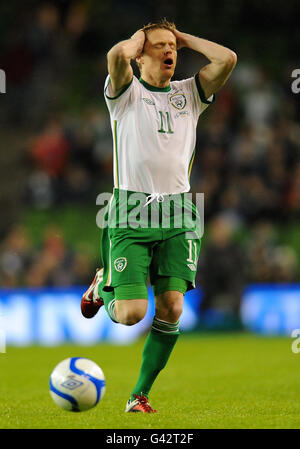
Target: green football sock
{"type": "Point", "coordinates": [157, 350]}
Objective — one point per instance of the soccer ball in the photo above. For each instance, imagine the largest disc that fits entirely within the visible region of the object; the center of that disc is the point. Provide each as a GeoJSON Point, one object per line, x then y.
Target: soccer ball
{"type": "Point", "coordinates": [77, 384]}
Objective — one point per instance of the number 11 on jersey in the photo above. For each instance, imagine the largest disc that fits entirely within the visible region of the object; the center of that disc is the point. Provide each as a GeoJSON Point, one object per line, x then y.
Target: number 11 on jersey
{"type": "Point", "coordinates": [192, 246]}
{"type": "Point", "coordinates": [162, 120]}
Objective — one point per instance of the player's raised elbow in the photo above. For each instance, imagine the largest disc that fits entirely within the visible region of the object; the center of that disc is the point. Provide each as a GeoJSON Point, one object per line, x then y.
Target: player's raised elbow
{"type": "Point", "coordinates": [117, 52]}
{"type": "Point", "coordinates": [230, 59]}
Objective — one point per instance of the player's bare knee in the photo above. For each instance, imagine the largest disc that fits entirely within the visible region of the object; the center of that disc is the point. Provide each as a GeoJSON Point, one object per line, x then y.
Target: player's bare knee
{"type": "Point", "coordinates": [131, 314]}
{"type": "Point", "coordinates": [176, 311]}
{"type": "Point", "coordinates": [169, 312]}
{"type": "Point", "coordinates": [129, 318]}
{"type": "Point", "coordinates": [169, 306]}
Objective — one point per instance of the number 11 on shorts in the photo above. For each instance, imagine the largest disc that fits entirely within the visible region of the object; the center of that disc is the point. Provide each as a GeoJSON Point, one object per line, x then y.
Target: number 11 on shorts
{"type": "Point", "coordinates": [192, 246]}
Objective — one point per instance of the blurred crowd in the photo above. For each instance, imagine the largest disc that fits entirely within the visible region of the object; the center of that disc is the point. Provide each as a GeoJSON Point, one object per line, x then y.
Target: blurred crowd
{"type": "Point", "coordinates": [53, 263]}
{"type": "Point", "coordinates": [247, 157]}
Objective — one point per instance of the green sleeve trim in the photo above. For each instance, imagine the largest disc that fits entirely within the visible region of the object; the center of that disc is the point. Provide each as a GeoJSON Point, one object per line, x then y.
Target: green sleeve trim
{"type": "Point", "coordinates": [120, 93]}
{"type": "Point", "coordinates": [201, 92]}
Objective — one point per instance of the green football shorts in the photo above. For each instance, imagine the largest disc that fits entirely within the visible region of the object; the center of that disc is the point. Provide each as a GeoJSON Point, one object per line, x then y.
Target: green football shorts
{"type": "Point", "coordinates": [149, 235]}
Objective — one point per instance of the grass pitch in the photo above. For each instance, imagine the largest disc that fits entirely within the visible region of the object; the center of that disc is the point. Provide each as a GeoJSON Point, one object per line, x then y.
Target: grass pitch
{"type": "Point", "coordinates": [211, 381]}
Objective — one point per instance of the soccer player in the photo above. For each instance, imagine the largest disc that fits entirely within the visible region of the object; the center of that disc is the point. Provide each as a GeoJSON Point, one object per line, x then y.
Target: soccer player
{"type": "Point", "coordinates": [153, 123]}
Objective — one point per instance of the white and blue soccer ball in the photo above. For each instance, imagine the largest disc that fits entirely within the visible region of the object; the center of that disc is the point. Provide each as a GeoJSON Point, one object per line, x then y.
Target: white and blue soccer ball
{"type": "Point", "coordinates": [77, 384]}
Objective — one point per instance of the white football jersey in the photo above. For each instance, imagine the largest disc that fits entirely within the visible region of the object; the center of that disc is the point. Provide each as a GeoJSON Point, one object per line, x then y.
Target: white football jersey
{"type": "Point", "coordinates": [154, 134]}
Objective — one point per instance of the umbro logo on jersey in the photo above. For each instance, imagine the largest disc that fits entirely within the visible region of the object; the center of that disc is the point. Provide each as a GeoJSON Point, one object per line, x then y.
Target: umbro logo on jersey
{"type": "Point", "coordinates": [191, 266]}
{"type": "Point", "coordinates": [148, 101]}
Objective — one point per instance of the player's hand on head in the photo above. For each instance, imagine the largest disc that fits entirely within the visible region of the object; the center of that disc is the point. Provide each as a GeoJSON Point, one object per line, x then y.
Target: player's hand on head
{"type": "Point", "coordinates": [180, 37]}
{"type": "Point", "coordinates": [140, 37]}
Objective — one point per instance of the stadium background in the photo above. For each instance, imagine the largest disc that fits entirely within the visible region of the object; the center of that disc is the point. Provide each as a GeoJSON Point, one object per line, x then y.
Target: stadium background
{"type": "Point", "coordinates": [56, 157]}
{"type": "Point", "coordinates": [57, 148]}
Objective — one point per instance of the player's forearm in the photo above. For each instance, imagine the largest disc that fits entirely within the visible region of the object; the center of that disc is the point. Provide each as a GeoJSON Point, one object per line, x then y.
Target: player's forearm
{"type": "Point", "coordinates": [119, 58]}
{"type": "Point", "coordinates": [128, 49]}
{"type": "Point", "coordinates": [214, 52]}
